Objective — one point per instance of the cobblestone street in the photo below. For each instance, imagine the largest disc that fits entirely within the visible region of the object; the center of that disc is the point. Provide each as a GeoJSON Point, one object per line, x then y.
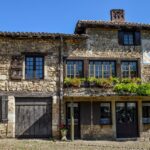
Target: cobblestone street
{"type": "Point", "coordinates": [13, 144]}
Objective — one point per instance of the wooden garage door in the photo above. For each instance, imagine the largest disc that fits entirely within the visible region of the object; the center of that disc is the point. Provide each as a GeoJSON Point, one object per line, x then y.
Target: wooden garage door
{"type": "Point", "coordinates": [33, 118]}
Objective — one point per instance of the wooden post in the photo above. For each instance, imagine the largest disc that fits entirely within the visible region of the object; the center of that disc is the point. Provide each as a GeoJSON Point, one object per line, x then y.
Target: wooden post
{"type": "Point", "coordinates": [72, 121]}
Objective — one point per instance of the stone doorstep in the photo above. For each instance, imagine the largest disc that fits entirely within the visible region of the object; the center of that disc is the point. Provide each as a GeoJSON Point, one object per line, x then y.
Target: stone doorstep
{"type": "Point", "coordinates": [126, 139]}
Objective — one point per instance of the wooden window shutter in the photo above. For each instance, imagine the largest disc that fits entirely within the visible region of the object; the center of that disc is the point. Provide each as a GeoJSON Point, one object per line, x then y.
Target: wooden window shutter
{"type": "Point", "coordinates": [137, 38]}
{"type": "Point", "coordinates": [4, 109]}
{"type": "Point", "coordinates": [120, 37]}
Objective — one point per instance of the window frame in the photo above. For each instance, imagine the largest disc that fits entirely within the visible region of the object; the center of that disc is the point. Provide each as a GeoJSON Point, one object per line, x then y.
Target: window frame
{"type": "Point", "coordinates": [129, 75]}
{"type": "Point", "coordinates": [142, 112]}
{"type": "Point", "coordinates": [136, 37]}
{"type": "Point", "coordinates": [109, 102]}
{"type": "Point", "coordinates": [102, 61]}
{"type": "Point", "coordinates": [128, 33]}
{"type": "Point", "coordinates": [74, 60]}
{"type": "Point", "coordinates": [34, 56]}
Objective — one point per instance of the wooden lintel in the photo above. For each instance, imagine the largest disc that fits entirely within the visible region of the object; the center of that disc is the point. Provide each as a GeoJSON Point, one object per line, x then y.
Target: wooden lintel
{"type": "Point", "coordinates": [105, 98]}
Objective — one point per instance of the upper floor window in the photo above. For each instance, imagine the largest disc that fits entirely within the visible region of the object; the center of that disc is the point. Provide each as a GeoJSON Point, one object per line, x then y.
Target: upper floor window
{"type": "Point", "coordinates": [34, 67]}
{"type": "Point", "coordinates": [129, 38]}
{"type": "Point", "coordinates": [102, 69]}
{"type": "Point", "coordinates": [129, 69]}
{"type": "Point", "coordinates": [74, 68]}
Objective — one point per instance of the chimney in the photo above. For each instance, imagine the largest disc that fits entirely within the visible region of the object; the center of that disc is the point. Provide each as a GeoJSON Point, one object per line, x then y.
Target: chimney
{"type": "Point", "coordinates": [117, 15]}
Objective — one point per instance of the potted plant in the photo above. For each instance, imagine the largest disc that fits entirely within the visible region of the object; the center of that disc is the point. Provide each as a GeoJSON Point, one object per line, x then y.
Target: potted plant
{"type": "Point", "coordinates": [75, 82]}
{"type": "Point", "coordinates": [67, 82]}
{"type": "Point", "coordinates": [91, 81]}
{"type": "Point", "coordinates": [63, 131]}
{"type": "Point", "coordinates": [83, 82]}
{"type": "Point", "coordinates": [104, 83]}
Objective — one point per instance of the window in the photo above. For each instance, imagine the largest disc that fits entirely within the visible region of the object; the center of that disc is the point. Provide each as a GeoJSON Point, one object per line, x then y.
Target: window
{"type": "Point", "coordinates": [129, 69]}
{"type": "Point", "coordinates": [34, 67]}
{"type": "Point", "coordinates": [102, 69]}
{"type": "Point", "coordinates": [146, 112]}
{"type": "Point", "coordinates": [74, 68]}
{"type": "Point", "coordinates": [129, 38]}
{"type": "Point", "coordinates": [105, 113]}
{"type": "Point", "coordinates": [4, 109]}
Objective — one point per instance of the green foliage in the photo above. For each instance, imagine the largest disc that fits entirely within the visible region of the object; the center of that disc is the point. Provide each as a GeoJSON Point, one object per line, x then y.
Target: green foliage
{"type": "Point", "coordinates": [76, 82]}
{"type": "Point", "coordinates": [83, 79]}
{"type": "Point", "coordinates": [126, 80]}
{"type": "Point", "coordinates": [144, 89]}
{"type": "Point", "coordinates": [129, 87]}
{"type": "Point", "coordinates": [67, 81]}
{"type": "Point", "coordinates": [137, 80]}
{"type": "Point", "coordinates": [91, 80]}
{"type": "Point", "coordinates": [131, 80]}
{"type": "Point", "coordinates": [104, 83]}
{"type": "Point", "coordinates": [114, 80]}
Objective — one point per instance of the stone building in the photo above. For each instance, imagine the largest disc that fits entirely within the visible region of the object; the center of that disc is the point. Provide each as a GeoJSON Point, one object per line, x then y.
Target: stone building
{"type": "Point", "coordinates": [33, 70]}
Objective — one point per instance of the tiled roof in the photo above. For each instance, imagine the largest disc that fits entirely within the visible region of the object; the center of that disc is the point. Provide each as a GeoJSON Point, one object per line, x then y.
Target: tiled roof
{"type": "Point", "coordinates": [39, 35]}
{"type": "Point", "coordinates": [82, 24]}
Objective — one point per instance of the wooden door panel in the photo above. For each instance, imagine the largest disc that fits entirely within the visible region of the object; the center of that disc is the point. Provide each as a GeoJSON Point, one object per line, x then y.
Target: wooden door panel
{"type": "Point", "coordinates": [126, 119]}
{"type": "Point", "coordinates": [33, 118]}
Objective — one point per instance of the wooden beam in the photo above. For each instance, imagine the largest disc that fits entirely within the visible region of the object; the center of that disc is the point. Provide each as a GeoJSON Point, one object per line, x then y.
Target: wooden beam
{"type": "Point", "coordinates": [72, 121]}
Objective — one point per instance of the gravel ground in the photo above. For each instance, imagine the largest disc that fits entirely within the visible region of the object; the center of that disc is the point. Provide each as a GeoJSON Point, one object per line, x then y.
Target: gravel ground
{"type": "Point", "coordinates": [14, 144]}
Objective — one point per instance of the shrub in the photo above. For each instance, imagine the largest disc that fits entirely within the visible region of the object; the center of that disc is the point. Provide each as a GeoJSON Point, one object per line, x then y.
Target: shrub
{"type": "Point", "coordinates": [104, 83]}
{"type": "Point", "coordinates": [114, 80]}
{"type": "Point", "coordinates": [126, 80]}
{"type": "Point", "coordinates": [67, 81]}
{"type": "Point", "coordinates": [91, 80]}
{"type": "Point", "coordinates": [76, 82]}
{"type": "Point", "coordinates": [144, 89]}
{"type": "Point", "coordinates": [129, 88]}
{"type": "Point", "coordinates": [137, 80]}
{"type": "Point", "coordinates": [83, 79]}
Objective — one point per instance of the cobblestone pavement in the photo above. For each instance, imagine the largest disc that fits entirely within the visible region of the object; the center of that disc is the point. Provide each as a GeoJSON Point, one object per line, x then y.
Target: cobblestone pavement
{"type": "Point", "coordinates": [14, 144]}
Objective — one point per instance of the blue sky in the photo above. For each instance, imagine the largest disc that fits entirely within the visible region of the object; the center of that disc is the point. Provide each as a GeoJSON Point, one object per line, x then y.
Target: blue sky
{"type": "Point", "coordinates": [60, 16]}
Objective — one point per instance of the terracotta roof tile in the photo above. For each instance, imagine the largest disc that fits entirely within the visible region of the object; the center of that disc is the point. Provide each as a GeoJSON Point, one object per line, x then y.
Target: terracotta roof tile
{"type": "Point", "coordinates": [39, 35]}
{"type": "Point", "coordinates": [82, 24]}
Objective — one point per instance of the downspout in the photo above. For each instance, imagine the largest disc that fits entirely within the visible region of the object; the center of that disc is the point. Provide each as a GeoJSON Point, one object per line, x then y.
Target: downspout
{"type": "Point", "coordinates": [60, 79]}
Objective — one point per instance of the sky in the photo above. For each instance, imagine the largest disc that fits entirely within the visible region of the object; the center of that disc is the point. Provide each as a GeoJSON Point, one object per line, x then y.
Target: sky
{"type": "Point", "coordinates": [61, 16]}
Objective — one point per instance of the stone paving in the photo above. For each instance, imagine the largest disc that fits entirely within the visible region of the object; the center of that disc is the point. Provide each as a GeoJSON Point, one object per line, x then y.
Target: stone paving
{"type": "Point", "coordinates": [14, 144]}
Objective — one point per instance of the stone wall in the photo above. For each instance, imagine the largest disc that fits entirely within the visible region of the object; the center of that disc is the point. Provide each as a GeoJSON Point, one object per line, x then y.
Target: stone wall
{"type": "Point", "coordinates": [93, 91]}
{"type": "Point", "coordinates": [146, 73]}
{"type": "Point", "coordinates": [103, 43]}
{"type": "Point", "coordinates": [8, 129]}
{"type": "Point", "coordinates": [10, 47]}
{"type": "Point", "coordinates": [97, 132]}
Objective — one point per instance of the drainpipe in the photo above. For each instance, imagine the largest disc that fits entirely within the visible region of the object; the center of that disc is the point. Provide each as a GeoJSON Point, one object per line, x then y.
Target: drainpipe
{"type": "Point", "coordinates": [60, 78]}
{"type": "Point", "coordinates": [72, 119]}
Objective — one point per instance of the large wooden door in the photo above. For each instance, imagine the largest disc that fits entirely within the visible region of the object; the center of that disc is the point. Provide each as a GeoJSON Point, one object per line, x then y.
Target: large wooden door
{"type": "Point", "coordinates": [33, 118]}
{"type": "Point", "coordinates": [76, 119]}
{"type": "Point", "coordinates": [126, 119]}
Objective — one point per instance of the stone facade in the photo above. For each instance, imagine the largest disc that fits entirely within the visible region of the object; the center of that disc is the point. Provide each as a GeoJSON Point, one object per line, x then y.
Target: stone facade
{"type": "Point", "coordinates": [100, 43]}
{"type": "Point", "coordinates": [48, 87]}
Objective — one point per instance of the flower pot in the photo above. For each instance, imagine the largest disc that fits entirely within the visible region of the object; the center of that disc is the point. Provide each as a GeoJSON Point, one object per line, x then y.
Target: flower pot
{"type": "Point", "coordinates": [63, 134]}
